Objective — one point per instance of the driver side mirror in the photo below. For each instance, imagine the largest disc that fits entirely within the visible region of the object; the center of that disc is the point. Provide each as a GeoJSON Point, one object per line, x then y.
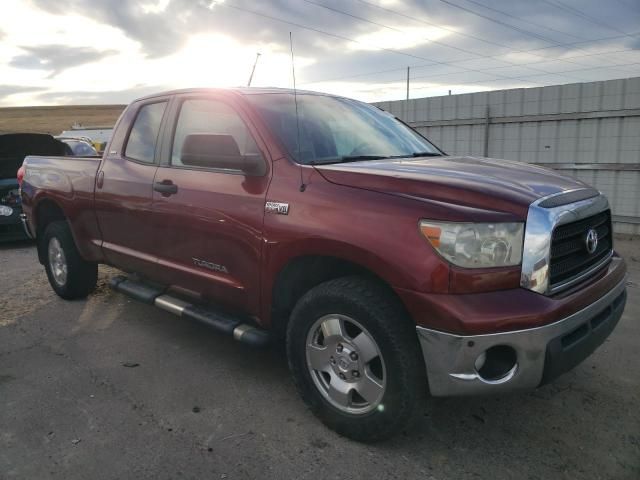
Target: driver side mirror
{"type": "Point", "coordinates": [220, 151]}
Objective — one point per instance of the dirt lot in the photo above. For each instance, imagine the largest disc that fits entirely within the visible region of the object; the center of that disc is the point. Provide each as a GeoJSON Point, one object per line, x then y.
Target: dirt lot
{"type": "Point", "coordinates": [110, 388]}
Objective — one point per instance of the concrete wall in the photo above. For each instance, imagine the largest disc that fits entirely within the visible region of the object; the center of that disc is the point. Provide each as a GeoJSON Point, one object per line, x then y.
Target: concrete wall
{"type": "Point", "coordinates": [590, 131]}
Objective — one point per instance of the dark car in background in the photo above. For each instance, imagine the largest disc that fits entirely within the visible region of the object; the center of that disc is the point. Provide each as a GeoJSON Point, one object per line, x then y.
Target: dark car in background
{"type": "Point", "coordinates": [13, 148]}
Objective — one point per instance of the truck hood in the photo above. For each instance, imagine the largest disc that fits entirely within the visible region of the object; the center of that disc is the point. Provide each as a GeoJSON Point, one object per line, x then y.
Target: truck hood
{"type": "Point", "coordinates": [480, 183]}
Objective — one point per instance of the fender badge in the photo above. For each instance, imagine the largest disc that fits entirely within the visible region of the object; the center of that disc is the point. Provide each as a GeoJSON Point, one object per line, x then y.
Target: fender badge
{"type": "Point", "coordinates": [278, 208]}
{"type": "Point", "coordinates": [209, 265]}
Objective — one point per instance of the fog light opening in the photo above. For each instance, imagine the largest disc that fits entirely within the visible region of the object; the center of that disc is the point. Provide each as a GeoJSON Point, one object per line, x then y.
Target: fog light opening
{"type": "Point", "coordinates": [496, 363]}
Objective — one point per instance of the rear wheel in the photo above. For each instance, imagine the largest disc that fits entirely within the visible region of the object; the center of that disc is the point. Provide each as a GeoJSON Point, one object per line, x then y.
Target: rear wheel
{"type": "Point", "coordinates": [355, 358]}
{"type": "Point", "coordinates": [69, 274]}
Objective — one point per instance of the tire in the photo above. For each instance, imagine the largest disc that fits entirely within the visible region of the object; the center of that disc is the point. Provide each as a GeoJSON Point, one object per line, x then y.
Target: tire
{"type": "Point", "coordinates": [356, 306]}
{"type": "Point", "coordinates": [70, 276]}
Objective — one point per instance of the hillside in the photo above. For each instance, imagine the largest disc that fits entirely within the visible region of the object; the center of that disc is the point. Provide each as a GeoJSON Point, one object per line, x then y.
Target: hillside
{"type": "Point", "coordinates": [55, 119]}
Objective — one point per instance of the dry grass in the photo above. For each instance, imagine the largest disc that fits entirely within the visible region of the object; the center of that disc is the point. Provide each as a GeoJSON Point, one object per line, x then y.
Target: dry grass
{"type": "Point", "coordinates": [54, 120]}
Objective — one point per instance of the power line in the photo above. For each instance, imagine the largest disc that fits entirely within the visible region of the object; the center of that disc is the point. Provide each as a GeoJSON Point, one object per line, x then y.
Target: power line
{"type": "Point", "coordinates": [563, 6]}
{"type": "Point", "coordinates": [342, 37]}
{"type": "Point", "coordinates": [501, 12]}
{"type": "Point", "coordinates": [538, 74]}
{"type": "Point", "coordinates": [439, 86]}
{"type": "Point", "coordinates": [442, 27]}
{"type": "Point", "coordinates": [491, 19]}
{"type": "Point", "coordinates": [629, 5]}
{"type": "Point", "coordinates": [365, 74]}
{"type": "Point", "coordinates": [342, 12]}
{"type": "Point", "coordinates": [524, 78]}
{"type": "Point", "coordinates": [317, 30]}
{"type": "Point", "coordinates": [420, 20]}
{"type": "Point", "coordinates": [334, 35]}
{"type": "Point", "coordinates": [512, 27]}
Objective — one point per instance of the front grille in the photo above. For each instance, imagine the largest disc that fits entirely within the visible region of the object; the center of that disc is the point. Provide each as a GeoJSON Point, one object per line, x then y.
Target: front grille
{"type": "Point", "coordinates": [569, 256]}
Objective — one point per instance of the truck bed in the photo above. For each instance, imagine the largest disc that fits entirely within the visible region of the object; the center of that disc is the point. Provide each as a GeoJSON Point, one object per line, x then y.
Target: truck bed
{"type": "Point", "coordinates": [67, 183]}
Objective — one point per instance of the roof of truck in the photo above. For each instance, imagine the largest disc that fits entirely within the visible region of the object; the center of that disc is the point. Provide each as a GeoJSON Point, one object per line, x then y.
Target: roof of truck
{"type": "Point", "coordinates": [236, 90]}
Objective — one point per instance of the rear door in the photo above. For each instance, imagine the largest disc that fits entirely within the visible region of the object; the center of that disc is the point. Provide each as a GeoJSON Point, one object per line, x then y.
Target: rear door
{"type": "Point", "coordinates": [123, 199]}
{"type": "Point", "coordinates": [209, 231]}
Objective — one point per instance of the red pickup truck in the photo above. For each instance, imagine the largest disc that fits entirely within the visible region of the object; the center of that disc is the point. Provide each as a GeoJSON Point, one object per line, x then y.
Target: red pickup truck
{"type": "Point", "coordinates": [389, 269]}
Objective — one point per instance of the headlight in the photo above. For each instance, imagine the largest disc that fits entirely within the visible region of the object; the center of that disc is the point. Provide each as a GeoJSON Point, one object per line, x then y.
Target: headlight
{"type": "Point", "coordinates": [476, 245]}
{"type": "Point", "coordinates": [5, 211]}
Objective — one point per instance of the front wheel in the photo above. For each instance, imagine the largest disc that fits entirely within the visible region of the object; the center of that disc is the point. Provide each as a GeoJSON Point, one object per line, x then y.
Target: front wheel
{"type": "Point", "coordinates": [355, 358]}
{"type": "Point", "coordinates": [69, 274]}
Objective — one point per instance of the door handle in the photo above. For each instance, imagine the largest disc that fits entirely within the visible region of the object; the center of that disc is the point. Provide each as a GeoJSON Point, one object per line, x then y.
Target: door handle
{"type": "Point", "coordinates": [166, 188]}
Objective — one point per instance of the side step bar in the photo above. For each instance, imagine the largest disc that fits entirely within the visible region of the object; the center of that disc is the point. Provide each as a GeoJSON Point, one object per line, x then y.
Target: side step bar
{"type": "Point", "coordinates": [218, 320]}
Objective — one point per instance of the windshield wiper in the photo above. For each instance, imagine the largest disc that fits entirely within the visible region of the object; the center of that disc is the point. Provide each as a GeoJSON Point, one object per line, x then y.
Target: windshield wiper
{"type": "Point", "coordinates": [426, 154]}
{"type": "Point", "coordinates": [418, 154]}
{"type": "Point", "coordinates": [356, 158]}
{"type": "Point", "coordinates": [348, 158]}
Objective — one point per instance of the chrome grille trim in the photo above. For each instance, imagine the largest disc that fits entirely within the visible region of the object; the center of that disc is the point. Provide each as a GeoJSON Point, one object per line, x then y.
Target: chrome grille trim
{"type": "Point", "coordinates": [539, 228]}
{"type": "Point", "coordinates": [583, 275]}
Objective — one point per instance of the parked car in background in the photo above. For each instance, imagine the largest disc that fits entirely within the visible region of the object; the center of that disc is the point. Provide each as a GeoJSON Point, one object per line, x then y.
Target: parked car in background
{"type": "Point", "coordinates": [13, 148]}
{"type": "Point", "coordinates": [386, 266]}
{"type": "Point", "coordinates": [80, 147]}
{"type": "Point", "coordinates": [96, 136]}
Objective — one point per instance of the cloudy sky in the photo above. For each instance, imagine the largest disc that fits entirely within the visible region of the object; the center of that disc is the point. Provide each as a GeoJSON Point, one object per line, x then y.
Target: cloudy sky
{"type": "Point", "coordinates": [112, 51]}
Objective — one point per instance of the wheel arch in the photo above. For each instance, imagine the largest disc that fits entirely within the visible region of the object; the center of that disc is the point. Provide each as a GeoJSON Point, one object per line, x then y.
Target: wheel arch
{"type": "Point", "coordinates": [46, 212]}
{"type": "Point", "coordinates": [304, 272]}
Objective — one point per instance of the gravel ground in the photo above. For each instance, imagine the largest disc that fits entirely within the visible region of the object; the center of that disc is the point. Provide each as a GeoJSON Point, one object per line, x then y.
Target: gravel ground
{"type": "Point", "coordinates": [110, 388]}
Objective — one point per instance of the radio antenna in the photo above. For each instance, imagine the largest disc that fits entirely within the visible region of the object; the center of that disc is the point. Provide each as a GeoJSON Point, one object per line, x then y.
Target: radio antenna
{"type": "Point", "coordinates": [253, 70]}
{"type": "Point", "coordinates": [303, 187]}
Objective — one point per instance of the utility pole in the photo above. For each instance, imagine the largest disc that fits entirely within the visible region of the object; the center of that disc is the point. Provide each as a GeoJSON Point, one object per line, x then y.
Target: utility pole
{"type": "Point", "coordinates": [408, 73]}
{"type": "Point", "coordinates": [406, 104]}
{"type": "Point", "coordinates": [253, 69]}
{"type": "Point", "coordinates": [487, 125]}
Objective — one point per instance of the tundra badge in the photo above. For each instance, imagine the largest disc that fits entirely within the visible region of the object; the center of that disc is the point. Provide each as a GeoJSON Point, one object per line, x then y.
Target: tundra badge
{"type": "Point", "coordinates": [210, 265]}
{"type": "Point", "coordinates": [277, 207]}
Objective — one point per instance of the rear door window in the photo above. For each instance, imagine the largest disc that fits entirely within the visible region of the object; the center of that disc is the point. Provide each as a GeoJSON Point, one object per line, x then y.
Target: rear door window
{"type": "Point", "coordinates": [210, 116]}
{"type": "Point", "coordinates": [143, 137]}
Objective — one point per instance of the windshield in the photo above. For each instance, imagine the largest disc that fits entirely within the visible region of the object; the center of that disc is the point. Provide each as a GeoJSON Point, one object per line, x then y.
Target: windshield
{"type": "Point", "coordinates": [334, 129]}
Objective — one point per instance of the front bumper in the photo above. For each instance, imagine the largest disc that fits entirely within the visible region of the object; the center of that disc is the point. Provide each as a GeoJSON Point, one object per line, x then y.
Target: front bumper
{"type": "Point", "coordinates": [541, 353]}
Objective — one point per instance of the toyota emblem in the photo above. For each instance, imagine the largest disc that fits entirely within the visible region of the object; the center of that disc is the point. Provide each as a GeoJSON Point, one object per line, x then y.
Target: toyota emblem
{"type": "Point", "coordinates": [591, 240]}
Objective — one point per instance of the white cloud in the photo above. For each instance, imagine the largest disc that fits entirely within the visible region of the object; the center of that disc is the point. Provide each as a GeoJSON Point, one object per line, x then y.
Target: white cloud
{"type": "Point", "coordinates": [401, 39]}
{"type": "Point", "coordinates": [158, 7]}
{"type": "Point", "coordinates": [25, 25]}
{"type": "Point", "coordinates": [207, 60]}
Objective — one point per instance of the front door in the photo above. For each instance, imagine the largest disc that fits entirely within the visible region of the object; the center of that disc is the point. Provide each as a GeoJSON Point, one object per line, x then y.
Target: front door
{"type": "Point", "coordinates": [209, 229]}
{"type": "Point", "coordinates": [123, 199]}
